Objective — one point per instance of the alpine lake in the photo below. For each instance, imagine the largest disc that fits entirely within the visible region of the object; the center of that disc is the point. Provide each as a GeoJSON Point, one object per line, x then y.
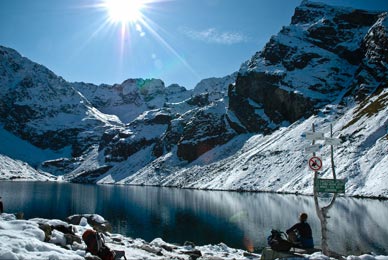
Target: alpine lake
{"type": "Point", "coordinates": [238, 219]}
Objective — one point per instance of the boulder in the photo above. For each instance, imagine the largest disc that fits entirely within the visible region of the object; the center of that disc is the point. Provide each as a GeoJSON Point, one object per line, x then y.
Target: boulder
{"type": "Point", "coordinates": [97, 222]}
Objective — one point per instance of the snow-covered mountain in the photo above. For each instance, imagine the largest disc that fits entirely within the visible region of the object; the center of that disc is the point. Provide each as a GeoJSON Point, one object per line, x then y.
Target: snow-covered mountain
{"type": "Point", "coordinates": [53, 114]}
{"type": "Point", "coordinates": [44, 109]}
{"type": "Point", "coordinates": [240, 132]}
{"type": "Point", "coordinates": [322, 56]}
{"type": "Point", "coordinates": [131, 98]}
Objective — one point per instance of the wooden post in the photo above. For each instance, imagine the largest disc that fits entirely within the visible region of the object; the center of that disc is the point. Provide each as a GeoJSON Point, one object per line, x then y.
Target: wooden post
{"type": "Point", "coordinates": [322, 213]}
{"type": "Point", "coordinates": [332, 154]}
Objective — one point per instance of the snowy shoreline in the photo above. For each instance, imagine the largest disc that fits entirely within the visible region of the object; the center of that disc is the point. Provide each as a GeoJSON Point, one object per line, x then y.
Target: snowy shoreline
{"type": "Point", "coordinates": [257, 191]}
{"type": "Point", "coordinates": [39, 238]}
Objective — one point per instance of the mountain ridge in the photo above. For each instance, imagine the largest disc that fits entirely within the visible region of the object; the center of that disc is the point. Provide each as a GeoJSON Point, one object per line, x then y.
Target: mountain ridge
{"type": "Point", "coordinates": [240, 132]}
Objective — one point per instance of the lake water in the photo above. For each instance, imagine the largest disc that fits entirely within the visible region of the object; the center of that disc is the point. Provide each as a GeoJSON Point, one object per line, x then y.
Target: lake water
{"type": "Point", "coordinates": [241, 220]}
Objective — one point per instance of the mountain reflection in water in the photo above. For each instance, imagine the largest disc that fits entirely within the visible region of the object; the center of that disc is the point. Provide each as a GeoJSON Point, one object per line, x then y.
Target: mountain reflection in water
{"type": "Point", "coordinates": [241, 220]}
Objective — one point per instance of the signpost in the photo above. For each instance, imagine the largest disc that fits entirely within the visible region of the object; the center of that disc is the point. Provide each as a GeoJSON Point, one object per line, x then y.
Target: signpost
{"type": "Point", "coordinates": [312, 148]}
{"type": "Point", "coordinates": [323, 185]}
{"type": "Point", "coordinates": [332, 141]}
{"type": "Point", "coordinates": [314, 136]}
{"type": "Point", "coordinates": [330, 185]}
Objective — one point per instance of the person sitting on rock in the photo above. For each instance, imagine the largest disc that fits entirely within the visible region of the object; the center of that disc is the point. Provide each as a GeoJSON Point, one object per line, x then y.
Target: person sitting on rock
{"type": "Point", "coordinates": [300, 234]}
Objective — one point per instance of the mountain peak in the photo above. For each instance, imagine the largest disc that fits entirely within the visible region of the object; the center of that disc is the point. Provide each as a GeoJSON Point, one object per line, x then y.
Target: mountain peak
{"type": "Point", "coordinates": [313, 61]}
{"type": "Point", "coordinates": [311, 72]}
{"type": "Point", "coordinates": [310, 12]}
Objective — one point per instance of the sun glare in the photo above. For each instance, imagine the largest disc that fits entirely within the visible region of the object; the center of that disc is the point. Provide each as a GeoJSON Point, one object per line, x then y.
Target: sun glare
{"type": "Point", "coordinates": [130, 19]}
{"type": "Point", "coordinates": [124, 11]}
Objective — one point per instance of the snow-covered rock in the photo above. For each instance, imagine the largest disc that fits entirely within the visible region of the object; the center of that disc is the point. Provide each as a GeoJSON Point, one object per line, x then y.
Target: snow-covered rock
{"type": "Point", "coordinates": [26, 239]}
{"type": "Point", "coordinates": [216, 88]}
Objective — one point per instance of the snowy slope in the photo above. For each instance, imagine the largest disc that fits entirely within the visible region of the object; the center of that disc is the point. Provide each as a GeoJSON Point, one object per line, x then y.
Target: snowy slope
{"type": "Point", "coordinates": [16, 170]}
{"type": "Point", "coordinates": [278, 162]}
{"type": "Point", "coordinates": [43, 108]}
{"type": "Point", "coordinates": [240, 132]}
{"type": "Point", "coordinates": [26, 151]}
{"type": "Point", "coordinates": [315, 70]}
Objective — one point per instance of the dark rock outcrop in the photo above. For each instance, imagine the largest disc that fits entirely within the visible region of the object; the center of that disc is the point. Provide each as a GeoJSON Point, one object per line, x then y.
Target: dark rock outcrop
{"type": "Point", "coordinates": [309, 64]}
{"type": "Point", "coordinates": [206, 129]}
{"type": "Point", "coordinates": [90, 175]}
{"type": "Point", "coordinates": [278, 104]}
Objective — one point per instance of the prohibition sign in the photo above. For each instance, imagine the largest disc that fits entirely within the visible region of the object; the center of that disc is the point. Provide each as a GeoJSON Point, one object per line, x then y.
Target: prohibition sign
{"type": "Point", "coordinates": [315, 163]}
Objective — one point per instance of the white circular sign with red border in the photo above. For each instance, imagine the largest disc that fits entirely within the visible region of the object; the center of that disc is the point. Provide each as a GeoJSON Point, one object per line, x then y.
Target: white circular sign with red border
{"type": "Point", "coordinates": [315, 163]}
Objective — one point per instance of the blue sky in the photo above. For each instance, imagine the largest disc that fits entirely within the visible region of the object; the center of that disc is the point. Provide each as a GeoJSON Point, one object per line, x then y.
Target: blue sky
{"type": "Point", "coordinates": [178, 41]}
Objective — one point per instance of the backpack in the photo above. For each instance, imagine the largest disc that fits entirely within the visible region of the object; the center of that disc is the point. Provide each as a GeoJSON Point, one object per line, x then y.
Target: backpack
{"type": "Point", "coordinates": [96, 246]}
{"type": "Point", "coordinates": [277, 241]}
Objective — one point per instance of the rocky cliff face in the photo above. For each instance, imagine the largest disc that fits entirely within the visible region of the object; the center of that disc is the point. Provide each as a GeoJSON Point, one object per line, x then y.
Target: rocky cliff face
{"type": "Point", "coordinates": [310, 63]}
{"type": "Point", "coordinates": [51, 113]}
{"type": "Point", "coordinates": [236, 132]}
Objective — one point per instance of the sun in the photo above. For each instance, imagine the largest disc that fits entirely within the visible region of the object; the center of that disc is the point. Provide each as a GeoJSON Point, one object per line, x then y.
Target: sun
{"type": "Point", "coordinates": [131, 20]}
{"type": "Point", "coordinates": [124, 11]}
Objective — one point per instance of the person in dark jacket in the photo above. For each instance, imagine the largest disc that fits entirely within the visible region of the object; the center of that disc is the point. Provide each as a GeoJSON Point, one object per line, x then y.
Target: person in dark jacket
{"type": "Point", "coordinates": [1, 206]}
{"type": "Point", "coordinates": [301, 233]}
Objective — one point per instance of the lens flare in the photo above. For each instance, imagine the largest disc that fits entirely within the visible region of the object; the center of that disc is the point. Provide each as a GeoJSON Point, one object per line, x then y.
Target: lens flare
{"type": "Point", "coordinates": [130, 20]}
{"type": "Point", "coordinates": [248, 243]}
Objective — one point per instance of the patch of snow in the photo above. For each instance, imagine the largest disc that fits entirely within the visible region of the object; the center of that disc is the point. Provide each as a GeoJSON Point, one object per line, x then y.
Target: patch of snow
{"type": "Point", "coordinates": [19, 149]}
{"type": "Point", "coordinates": [11, 169]}
{"type": "Point", "coordinates": [23, 239]}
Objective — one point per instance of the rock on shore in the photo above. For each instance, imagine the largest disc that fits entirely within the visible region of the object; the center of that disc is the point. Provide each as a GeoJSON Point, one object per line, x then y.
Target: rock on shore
{"type": "Point", "coordinates": [56, 240]}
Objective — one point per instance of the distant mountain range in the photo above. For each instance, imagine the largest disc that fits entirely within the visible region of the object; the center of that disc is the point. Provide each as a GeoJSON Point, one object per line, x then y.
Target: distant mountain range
{"type": "Point", "coordinates": [240, 132]}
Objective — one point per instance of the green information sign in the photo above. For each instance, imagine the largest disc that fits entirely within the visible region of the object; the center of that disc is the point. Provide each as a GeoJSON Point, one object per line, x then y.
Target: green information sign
{"type": "Point", "coordinates": [330, 185]}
